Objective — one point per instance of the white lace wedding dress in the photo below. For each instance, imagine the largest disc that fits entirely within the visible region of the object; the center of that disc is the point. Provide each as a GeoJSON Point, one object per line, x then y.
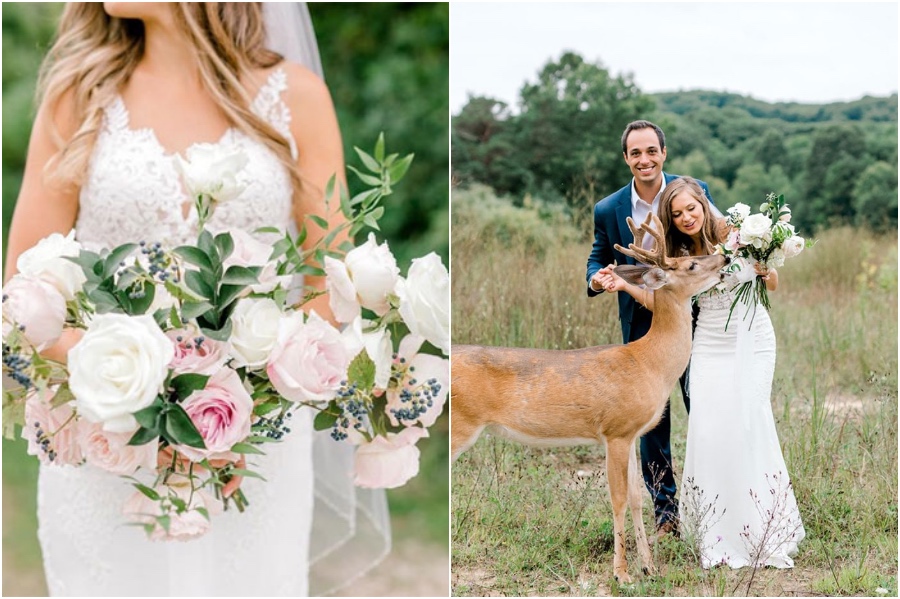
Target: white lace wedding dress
{"type": "Point", "coordinates": [133, 193]}
{"type": "Point", "coordinates": [737, 502]}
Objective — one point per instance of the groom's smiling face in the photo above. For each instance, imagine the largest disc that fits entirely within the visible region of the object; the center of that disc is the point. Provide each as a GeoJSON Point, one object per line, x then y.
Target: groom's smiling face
{"type": "Point", "coordinates": [644, 155]}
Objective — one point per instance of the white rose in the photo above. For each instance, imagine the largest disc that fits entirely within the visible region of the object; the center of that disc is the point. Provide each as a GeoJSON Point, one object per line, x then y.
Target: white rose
{"type": "Point", "coordinates": [47, 261]}
{"type": "Point", "coordinates": [755, 228]}
{"type": "Point", "coordinates": [381, 351]}
{"type": "Point", "coordinates": [740, 210]}
{"type": "Point", "coordinates": [36, 305]}
{"type": "Point", "coordinates": [425, 300]}
{"type": "Point", "coordinates": [374, 273]}
{"type": "Point", "coordinates": [388, 462]}
{"type": "Point", "coordinates": [254, 331]}
{"type": "Point", "coordinates": [118, 368]}
{"type": "Point", "coordinates": [341, 293]}
{"type": "Point", "coordinates": [793, 246]}
{"type": "Point", "coordinates": [776, 259]}
{"type": "Point", "coordinates": [210, 170]}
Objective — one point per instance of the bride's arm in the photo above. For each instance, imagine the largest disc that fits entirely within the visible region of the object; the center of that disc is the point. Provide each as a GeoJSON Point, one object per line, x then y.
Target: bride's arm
{"type": "Point", "coordinates": [320, 149]}
{"type": "Point", "coordinates": [43, 208]}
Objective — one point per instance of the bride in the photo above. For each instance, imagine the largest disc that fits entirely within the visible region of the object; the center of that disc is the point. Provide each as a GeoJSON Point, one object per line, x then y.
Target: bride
{"type": "Point", "coordinates": [126, 89]}
{"type": "Point", "coordinates": [737, 502]}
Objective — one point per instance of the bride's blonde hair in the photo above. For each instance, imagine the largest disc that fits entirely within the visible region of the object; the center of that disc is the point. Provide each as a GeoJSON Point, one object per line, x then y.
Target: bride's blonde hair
{"type": "Point", "coordinates": [94, 55]}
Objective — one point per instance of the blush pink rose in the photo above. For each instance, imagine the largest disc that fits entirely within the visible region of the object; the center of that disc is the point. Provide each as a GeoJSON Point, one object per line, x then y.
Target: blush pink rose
{"type": "Point", "coordinates": [427, 375]}
{"type": "Point", "coordinates": [207, 357]}
{"type": "Point", "coordinates": [52, 433]}
{"type": "Point", "coordinates": [185, 526]}
{"type": "Point", "coordinates": [388, 462]}
{"type": "Point", "coordinates": [249, 251]}
{"type": "Point", "coordinates": [221, 412]}
{"type": "Point", "coordinates": [309, 360]}
{"type": "Point", "coordinates": [734, 240]}
{"type": "Point", "coordinates": [36, 305]}
{"type": "Point", "coordinates": [111, 451]}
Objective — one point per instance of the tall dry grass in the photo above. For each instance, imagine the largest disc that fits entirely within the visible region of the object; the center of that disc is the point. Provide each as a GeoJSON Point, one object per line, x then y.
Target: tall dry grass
{"type": "Point", "coordinates": [529, 521]}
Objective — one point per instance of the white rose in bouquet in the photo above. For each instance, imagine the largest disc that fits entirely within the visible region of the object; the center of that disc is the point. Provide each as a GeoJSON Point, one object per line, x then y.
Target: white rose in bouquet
{"type": "Point", "coordinates": [342, 297]}
{"type": "Point", "coordinates": [739, 212]}
{"type": "Point", "coordinates": [755, 229]}
{"type": "Point", "coordinates": [309, 360]}
{"type": "Point", "coordinates": [47, 261]}
{"type": "Point", "coordinates": [255, 324]}
{"type": "Point", "coordinates": [793, 246]}
{"type": "Point", "coordinates": [118, 368]}
{"type": "Point", "coordinates": [425, 300]}
{"type": "Point", "coordinates": [37, 306]}
{"type": "Point", "coordinates": [210, 170]}
{"type": "Point", "coordinates": [381, 351]}
{"type": "Point", "coordinates": [249, 251]}
{"type": "Point", "coordinates": [374, 272]}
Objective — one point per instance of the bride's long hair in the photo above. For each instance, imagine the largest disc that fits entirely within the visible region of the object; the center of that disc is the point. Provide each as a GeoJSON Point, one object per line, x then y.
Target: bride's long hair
{"type": "Point", "coordinates": [712, 232]}
{"type": "Point", "coordinates": [94, 54]}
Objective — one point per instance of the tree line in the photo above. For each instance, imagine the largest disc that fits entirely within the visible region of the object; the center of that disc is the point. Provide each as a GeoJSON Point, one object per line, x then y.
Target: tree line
{"type": "Point", "coordinates": [835, 163]}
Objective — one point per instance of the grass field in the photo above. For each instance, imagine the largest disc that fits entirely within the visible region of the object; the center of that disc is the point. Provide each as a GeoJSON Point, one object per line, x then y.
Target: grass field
{"type": "Point", "coordinates": [529, 521]}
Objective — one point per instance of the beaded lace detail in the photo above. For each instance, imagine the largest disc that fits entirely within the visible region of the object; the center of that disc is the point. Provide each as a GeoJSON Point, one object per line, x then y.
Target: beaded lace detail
{"type": "Point", "coordinates": [133, 191]}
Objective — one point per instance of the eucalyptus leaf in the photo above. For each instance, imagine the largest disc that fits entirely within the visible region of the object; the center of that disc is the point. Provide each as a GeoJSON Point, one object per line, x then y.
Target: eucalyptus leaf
{"type": "Point", "coordinates": [369, 162]}
{"type": "Point", "coordinates": [379, 148]}
{"type": "Point", "coordinates": [367, 179]}
{"type": "Point", "coordinates": [398, 170]}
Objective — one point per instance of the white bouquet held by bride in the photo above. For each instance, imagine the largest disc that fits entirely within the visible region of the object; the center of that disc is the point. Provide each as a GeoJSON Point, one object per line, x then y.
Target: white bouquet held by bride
{"type": "Point", "coordinates": [766, 238]}
{"type": "Point", "coordinates": [193, 358]}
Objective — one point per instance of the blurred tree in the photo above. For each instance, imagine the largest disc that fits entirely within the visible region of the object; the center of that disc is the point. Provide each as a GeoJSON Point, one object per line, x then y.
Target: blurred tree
{"type": "Point", "coordinates": [875, 197]}
{"type": "Point", "coordinates": [771, 149]}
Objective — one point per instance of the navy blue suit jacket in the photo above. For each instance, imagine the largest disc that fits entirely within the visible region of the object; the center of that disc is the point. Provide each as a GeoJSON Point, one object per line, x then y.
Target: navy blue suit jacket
{"type": "Point", "coordinates": [610, 228]}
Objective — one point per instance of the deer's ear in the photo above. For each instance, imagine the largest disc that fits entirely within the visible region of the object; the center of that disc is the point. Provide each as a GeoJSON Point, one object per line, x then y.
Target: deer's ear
{"type": "Point", "coordinates": [654, 278]}
{"type": "Point", "coordinates": [631, 273]}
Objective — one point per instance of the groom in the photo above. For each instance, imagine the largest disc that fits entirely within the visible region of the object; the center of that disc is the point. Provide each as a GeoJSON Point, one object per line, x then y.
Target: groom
{"type": "Point", "coordinates": [644, 149]}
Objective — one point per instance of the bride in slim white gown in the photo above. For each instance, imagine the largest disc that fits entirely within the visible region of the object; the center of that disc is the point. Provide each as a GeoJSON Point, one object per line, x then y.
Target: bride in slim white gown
{"type": "Point", "coordinates": [130, 191]}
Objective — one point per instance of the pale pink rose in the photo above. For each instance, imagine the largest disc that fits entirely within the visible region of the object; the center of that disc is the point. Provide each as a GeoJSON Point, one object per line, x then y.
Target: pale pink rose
{"type": "Point", "coordinates": [388, 462]}
{"type": "Point", "coordinates": [185, 526]}
{"type": "Point", "coordinates": [36, 305]}
{"type": "Point", "coordinates": [427, 375]}
{"type": "Point", "coordinates": [52, 433]}
{"type": "Point", "coordinates": [309, 360]}
{"type": "Point", "coordinates": [342, 297]}
{"type": "Point", "coordinates": [221, 412]}
{"type": "Point", "coordinates": [249, 251]}
{"type": "Point", "coordinates": [206, 357]}
{"type": "Point", "coordinates": [111, 451]}
{"type": "Point", "coordinates": [47, 261]}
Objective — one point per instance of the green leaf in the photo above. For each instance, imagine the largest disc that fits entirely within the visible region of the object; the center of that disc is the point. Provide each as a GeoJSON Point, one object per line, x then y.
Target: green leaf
{"type": "Point", "coordinates": [180, 430]}
{"type": "Point", "coordinates": [112, 261]}
{"type": "Point", "coordinates": [365, 196]}
{"type": "Point", "coordinates": [398, 170]}
{"type": "Point", "coordinates": [241, 275]}
{"type": "Point", "coordinates": [142, 437]}
{"type": "Point", "coordinates": [329, 187]}
{"type": "Point", "coordinates": [371, 221]}
{"type": "Point", "coordinates": [325, 419]}
{"type": "Point", "coordinates": [199, 284]}
{"type": "Point", "coordinates": [245, 448]}
{"type": "Point", "coordinates": [191, 310]}
{"type": "Point", "coordinates": [185, 384]}
{"type": "Point", "coordinates": [369, 162]}
{"type": "Point", "coordinates": [362, 371]}
{"type": "Point", "coordinates": [206, 243]}
{"type": "Point", "coordinates": [247, 473]}
{"type": "Point", "coordinates": [379, 148]}
{"type": "Point", "coordinates": [195, 256]}
{"type": "Point", "coordinates": [323, 224]}
{"type": "Point", "coordinates": [221, 334]}
{"type": "Point", "coordinates": [228, 293]}
{"type": "Point", "coordinates": [149, 416]}
{"type": "Point", "coordinates": [225, 244]}
{"type": "Point", "coordinates": [367, 179]}
{"type": "Point", "coordinates": [150, 493]}
{"type": "Point", "coordinates": [140, 305]}
{"type": "Point", "coordinates": [63, 395]}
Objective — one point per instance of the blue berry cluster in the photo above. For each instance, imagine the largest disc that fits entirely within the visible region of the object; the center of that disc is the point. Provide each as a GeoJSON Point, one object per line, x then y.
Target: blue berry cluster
{"type": "Point", "coordinates": [274, 428]}
{"type": "Point", "coordinates": [197, 341]}
{"type": "Point", "coordinates": [16, 366]}
{"type": "Point", "coordinates": [354, 411]}
{"type": "Point", "coordinates": [416, 399]}
{"type": "Point", "coordinates": [161, 267]}
{"type": "Point", "coordinates": [43, 440]}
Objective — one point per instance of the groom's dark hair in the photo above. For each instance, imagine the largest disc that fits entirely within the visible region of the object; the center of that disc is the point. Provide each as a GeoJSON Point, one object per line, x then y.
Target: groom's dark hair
{"type": "Point", "coordinates": [643, 125]}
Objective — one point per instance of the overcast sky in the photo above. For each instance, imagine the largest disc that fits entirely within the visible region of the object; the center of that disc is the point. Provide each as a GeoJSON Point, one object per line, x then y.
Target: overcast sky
{"type": "Point", "coordinates": [802, 52]}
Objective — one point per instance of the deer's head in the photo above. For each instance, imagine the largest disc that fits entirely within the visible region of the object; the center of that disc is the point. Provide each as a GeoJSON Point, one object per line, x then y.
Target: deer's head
{"type": "Point", "coordinates": [685, 277]}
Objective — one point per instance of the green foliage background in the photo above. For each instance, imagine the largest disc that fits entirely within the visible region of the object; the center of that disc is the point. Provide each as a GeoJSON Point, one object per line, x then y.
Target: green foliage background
{"type": "Point", "coordinates": [387, 67]}
{"type": "Point", "coordinates": [835, 163]}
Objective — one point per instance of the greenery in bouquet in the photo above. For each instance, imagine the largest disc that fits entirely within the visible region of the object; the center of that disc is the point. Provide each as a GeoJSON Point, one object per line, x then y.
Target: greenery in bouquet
{"type": "Point", "coordinates": [767, 238]}
{"type": "Point", "coordinates": [194, 357]}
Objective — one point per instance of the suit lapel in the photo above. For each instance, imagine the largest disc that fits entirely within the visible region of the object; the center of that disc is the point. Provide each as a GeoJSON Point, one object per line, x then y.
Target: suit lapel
{"type": "Point", "coordinates": [623, 211]}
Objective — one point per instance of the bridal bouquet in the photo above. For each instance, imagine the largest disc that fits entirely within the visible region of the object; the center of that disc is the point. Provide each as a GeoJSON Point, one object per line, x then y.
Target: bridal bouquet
{"type": "Point", "coordinates": [767, 238]}
{"type": "Point", "coordinates": [194, 357]}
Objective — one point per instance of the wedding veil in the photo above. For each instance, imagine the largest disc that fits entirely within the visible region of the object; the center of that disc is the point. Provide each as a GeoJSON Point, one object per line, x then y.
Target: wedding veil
{"type": "Point", "coordinates": [351, 526]}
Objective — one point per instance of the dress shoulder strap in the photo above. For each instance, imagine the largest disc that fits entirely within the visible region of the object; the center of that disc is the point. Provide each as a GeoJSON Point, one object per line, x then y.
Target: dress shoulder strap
{"type": "Point", "coordinates": [270, 106]}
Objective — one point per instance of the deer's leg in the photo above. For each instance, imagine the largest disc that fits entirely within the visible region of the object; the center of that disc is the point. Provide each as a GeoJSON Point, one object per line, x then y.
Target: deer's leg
{"type": "Point", "coordinates": [617, 474]}
{"type": "Point", "coordinates": [463, 433]}
{"type": "Point", "coordinates": [635, 500]}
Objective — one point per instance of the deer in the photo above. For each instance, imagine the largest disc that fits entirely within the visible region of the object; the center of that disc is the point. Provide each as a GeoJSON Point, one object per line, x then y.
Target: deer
{"type": "Point", "coordinates": [610, 394]}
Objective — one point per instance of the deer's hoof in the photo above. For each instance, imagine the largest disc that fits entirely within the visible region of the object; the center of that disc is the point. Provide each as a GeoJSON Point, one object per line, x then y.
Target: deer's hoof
{"type": "Point", "coordinates": [623, 578]}
{"type": "Point", "coordinates": [650, 570]}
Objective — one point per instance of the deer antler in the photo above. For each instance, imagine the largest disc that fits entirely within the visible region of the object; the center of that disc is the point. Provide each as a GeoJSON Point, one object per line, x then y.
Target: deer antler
{"type": "Point", "coordinates": [656, 256]}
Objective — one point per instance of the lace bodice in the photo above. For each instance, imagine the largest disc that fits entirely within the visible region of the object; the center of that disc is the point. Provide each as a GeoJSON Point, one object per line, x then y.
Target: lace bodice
{"type": "Point", "coordinates": [133, 191]}
{"type": "Point", "coordinates": [721, 296]}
